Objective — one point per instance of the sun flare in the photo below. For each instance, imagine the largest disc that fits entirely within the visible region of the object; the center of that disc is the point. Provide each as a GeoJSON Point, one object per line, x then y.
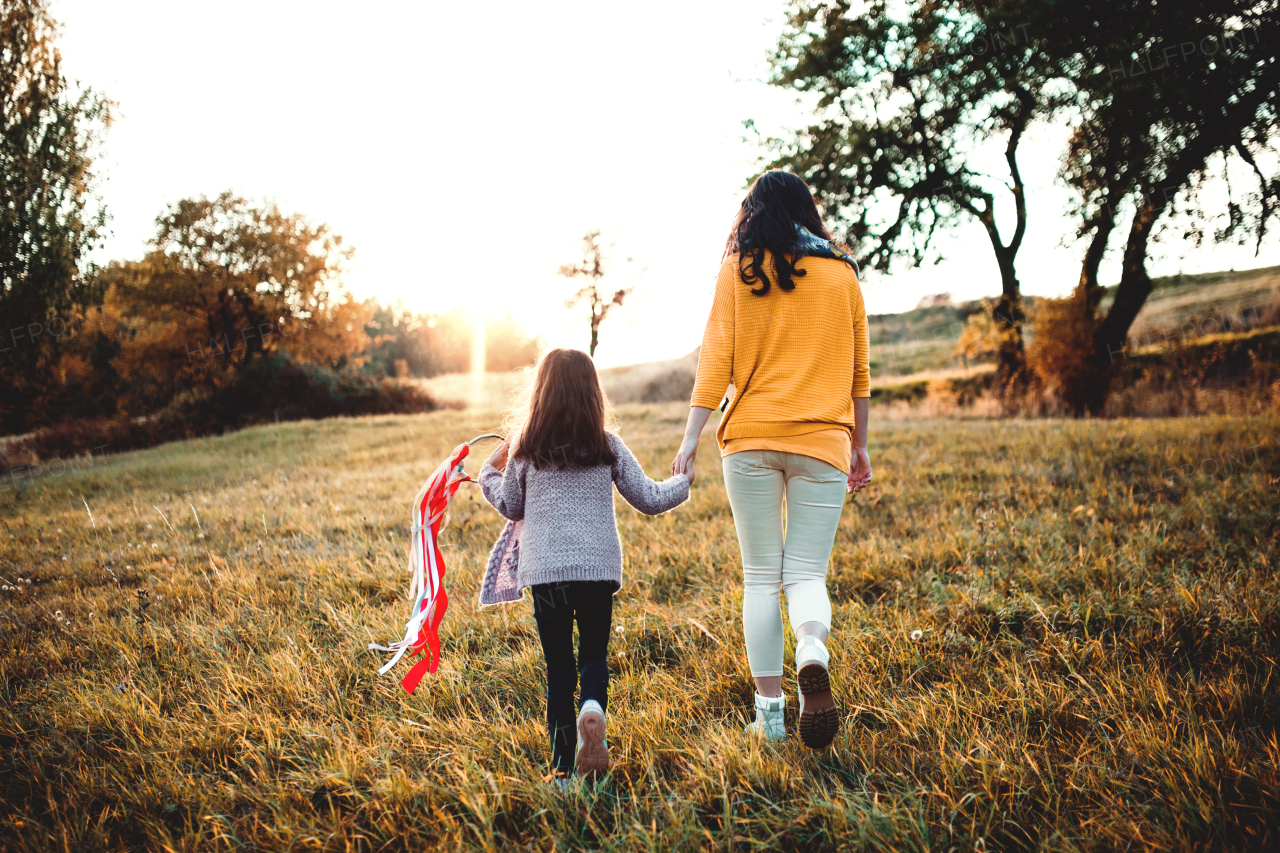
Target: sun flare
{"type": "Point", "coordinates": [477, 359]}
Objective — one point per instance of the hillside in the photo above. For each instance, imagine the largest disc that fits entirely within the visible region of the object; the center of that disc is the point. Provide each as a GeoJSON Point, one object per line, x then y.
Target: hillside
{"type": "Point", "coordinates": [915, 347]}
{"type": "Point", "coordinates": [649, 382]}
{"type": "Point", "coordinates": [1198, 305]}
{"type": "Point", "coordinates": [1181, 305]}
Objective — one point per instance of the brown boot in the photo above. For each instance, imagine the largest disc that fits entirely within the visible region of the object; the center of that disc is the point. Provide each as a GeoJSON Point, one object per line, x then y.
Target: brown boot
{"type": "Point", "coordinates": [819, 716]}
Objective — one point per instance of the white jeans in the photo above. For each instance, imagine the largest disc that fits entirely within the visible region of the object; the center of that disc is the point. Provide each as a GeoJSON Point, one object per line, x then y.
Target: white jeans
{"type": "Point", "coordinates": [757, 482]}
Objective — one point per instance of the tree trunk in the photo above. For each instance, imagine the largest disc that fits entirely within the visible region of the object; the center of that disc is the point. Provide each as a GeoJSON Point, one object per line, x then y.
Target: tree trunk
{"type": "Point", "coordinates": [595, 339]}
{"type": "Point", "coordinates": [1012, 376]}
{"type": "Point", "coordinates": [1082, 383]}
{"type": "Point", "coordinates": [1109, 337]}
{"type": "Point", "coordinates": [1011, 362]}
{"type": "Point", "coordinates": [1103, 226]}
{"type": "Point", "coordinates": [1135, 284]}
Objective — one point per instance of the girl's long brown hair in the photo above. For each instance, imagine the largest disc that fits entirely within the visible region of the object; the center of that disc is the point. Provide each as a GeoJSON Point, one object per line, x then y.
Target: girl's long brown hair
{"type": "Point", "coordinates": [564, 414]}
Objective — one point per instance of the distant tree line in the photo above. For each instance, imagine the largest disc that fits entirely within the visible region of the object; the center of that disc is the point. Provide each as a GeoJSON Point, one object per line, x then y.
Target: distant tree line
{"type": "Point", "coordinates": [236, 313]}
{"type": "Point", "coordinates": [227, 288]}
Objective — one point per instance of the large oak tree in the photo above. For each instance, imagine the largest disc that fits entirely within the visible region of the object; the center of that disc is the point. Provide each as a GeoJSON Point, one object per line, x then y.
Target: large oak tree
{"type": "Point", "coordinates": [226, 281]}
{"type": "Point", "coordinates": [1161, 93]}
{"type": "Point", "coordinates": [1171, 95]}
{"type": "Point", "coordinates": [905, 92]}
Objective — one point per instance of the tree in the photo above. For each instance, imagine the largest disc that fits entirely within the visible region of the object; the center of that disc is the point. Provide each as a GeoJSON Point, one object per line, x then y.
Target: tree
{"type": "Point", "coordinates": [906, 91]}
{"type": "Point", "coordinates": [224, 283]}
{"type": "Point", "coordinates": [1171, 92]}
{"type": "Point", "coordinates": [241, 280]}
{"type": "Point", "coordinates": [50, 215]}
{"type": "Point", "coordinates": [591, 267]}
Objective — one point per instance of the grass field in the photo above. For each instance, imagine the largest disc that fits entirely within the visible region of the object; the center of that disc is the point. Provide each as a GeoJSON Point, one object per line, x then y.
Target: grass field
{"type": "Point", "coordinates": [1098, 605]}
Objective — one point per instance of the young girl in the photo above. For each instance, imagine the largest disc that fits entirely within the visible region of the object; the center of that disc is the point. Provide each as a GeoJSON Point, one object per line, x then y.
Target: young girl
{"type": "Point", "coordinates": [559, 482]}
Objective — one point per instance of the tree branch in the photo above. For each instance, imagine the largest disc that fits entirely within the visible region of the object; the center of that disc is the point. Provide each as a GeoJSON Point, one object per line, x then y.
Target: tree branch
{"type": "Point", "coordinates": [1016, 129]}
{"type": "Point", "coordinates": [1265, 195]}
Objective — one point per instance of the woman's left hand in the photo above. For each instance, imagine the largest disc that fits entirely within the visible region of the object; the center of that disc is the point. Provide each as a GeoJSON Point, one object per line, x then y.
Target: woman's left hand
{"type": "Point", "coordinates": [860, 471]}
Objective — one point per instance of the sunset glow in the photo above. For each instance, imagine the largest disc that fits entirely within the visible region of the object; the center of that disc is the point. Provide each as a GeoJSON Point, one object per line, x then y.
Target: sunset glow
{"type": "Point", "coordinates": [477, 359]}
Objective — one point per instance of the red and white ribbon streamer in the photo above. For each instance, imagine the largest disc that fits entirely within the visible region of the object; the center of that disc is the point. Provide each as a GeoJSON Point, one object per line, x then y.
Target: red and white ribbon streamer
{"type": "Point", "coordinates": [426, 563]}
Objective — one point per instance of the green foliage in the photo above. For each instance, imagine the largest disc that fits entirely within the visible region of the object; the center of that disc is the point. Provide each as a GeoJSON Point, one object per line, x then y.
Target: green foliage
{"type": "Point", "coordinates": [50, 216]}
{"type": "Point", "coordinates": [1162, 96]}
{"type": "Point", "coordinates": [226, 284]}
{"type": "Point", "coordinates": [1164, 88]}
{"type": "Point", "coordinates": [905, 92]}
{"type": "Point", "coordinates": [1170, 93]}
{"type": "Point", "coordinates": [48, 136]}
{"type": "Point", "coordinates": [1098, 604]}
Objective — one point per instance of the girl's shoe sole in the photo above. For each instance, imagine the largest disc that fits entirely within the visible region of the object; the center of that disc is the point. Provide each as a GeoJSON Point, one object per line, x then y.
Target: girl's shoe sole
{"type": "Point", "coordinates": [592, 759]}
{"type": "Point", "coordinates": [820, 719]}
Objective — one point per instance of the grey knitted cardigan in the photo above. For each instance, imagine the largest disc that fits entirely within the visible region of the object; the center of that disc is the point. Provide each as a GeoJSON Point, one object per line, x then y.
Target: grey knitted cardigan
{"type": "Point", "coordinates": [569, 530]}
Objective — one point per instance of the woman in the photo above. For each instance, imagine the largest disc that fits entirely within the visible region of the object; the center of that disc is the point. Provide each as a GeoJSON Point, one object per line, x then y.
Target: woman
{"type": "Point", "coordinates": [788, 329]}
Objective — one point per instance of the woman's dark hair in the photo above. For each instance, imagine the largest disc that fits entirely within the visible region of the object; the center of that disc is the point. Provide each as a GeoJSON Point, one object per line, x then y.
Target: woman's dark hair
{"type": "Point", "coordinates": [776, 203]}
{"type": "Point", "coordinates": [564, 420]}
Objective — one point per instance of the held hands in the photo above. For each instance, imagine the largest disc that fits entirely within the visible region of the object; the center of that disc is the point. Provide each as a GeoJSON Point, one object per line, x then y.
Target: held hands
{"type": "Point", "coordinates": [860, 471]}
{"type": "Point", "coordinates": [498, 459]}
{"type": "Point", "coordinates": [683, 463]}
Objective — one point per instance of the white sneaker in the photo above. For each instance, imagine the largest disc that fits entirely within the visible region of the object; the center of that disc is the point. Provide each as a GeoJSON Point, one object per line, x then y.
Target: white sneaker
{"type": "Point", "coordinates": [591, 759]}
{"type": "Point", "coordinates": [768, 721]}
{"type": "Point", "coordinates": [819, 717]}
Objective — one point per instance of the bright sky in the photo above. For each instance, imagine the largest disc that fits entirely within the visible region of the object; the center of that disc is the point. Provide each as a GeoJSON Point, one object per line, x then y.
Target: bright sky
{"type": "Point", "coordinates": [464, 154]}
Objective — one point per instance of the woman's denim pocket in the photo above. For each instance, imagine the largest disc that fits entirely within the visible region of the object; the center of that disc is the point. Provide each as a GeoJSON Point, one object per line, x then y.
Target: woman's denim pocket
{"type": "Point", "coordinates": [744, 461]}
{"type": "Point", "coordinates": [821, 472]}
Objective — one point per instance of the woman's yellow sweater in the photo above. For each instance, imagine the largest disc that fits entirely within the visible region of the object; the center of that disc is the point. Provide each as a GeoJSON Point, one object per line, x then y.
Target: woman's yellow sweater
{"type": "Point", "coordinates": [796, 360]}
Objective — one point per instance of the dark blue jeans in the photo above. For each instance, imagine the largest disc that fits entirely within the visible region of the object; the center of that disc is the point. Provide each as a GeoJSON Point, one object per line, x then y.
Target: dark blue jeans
{"type": "Point", "coordinates": [555, 607]}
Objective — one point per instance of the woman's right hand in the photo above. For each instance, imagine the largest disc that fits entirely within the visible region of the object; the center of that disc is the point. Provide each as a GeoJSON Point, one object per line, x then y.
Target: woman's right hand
{"type": "Point", "coordinates": [860, 471]}
{"type": "Point", "coordinates": [683, 463]}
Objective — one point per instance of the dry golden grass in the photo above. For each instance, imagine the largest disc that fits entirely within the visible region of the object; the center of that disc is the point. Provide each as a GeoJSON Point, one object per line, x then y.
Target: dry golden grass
{"type": "Point", "coordinates": [1098, 603]}
{"type": "Point", "coordinates": [492, 391]}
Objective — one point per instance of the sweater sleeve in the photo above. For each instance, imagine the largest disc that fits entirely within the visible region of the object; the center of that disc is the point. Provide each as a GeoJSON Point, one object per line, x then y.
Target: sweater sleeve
{"type": "Point", "coordinates": [637, 489]}
{"type": "Point", "coordinates": [861, 346]}
{"type": "Point", "coordinates": [715, 361]}
{"type": "Point", "coordinates": [505, 490]}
